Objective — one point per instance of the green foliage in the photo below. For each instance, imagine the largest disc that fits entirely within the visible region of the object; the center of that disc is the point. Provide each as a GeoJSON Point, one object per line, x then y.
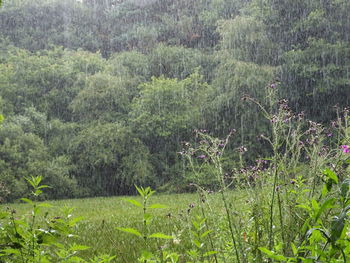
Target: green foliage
{"type": "Point", "coordinates": [175, 61]}
{"type": "Point", "coordinates": [147, 255]}
{"type": "Point", "coordinates": [317, 72]}
{"type": "Point", "coordinates": [104, 97]}
{"type": "Point", "coordinates": [199, 233]}
{"type": "Point", "coordinates": [38, 237]}
{"type": "Point", "coordinates": [109, 159]}
{"type": "Point", "coordinates": [246, 39]}
{"type": "Point", "coordinates": [234, 80]}
{"type": "Point", "coordinates": [67, 66]}
{"type": "Point", "coordinates": [100, 95]}
{"type": "Point", "coordinates": [24, 153]}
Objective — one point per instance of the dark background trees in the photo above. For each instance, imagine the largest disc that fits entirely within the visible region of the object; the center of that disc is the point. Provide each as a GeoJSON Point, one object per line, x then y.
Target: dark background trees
{"type": "Point", "coordinates": [99, 95]}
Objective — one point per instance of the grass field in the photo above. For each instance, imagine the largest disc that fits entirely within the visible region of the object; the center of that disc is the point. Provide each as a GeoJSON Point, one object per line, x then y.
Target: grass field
{"type": "Point", "coordinates": [102, 215]}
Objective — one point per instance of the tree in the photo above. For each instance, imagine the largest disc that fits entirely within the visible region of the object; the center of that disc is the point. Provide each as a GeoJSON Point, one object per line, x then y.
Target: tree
{"type": "Point", "coordinates": [109, 160]}
{"type": "Point", "coordinates": [23, 154]}
{"type": "Point", "coordinates": [233, 81]}
{"type": "Point", "coordinates": [245, 38]}
{"type": "Point", "coordinates": [175, 61]}
{"type": "Point", "coordinates": [165, 113]}
{"type": "Point", "coordinates": [104, 98]}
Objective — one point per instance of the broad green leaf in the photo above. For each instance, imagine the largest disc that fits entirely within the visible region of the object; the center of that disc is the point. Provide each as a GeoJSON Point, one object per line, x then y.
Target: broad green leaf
{"type": "Point", "coordinates": [45, 205]}
{"type": "Point", "coordinates": [310, 231]}
{"type": "Point", "coordinates": [324, 190]}
{"type": "Point", "coordinates": [76, 247]}
{"type": "Point", "coordinates": [331, 175]}
{"type": "Point", "coordinates": [338, 225]}
{"type": "Point", "coordinates": [158, 206]}
{"type": "Point", "coordinates": [43, 186]}
{"type": "Point", "coordinates": [134, 202]}
{"type": "Point", "coordinates": [10, 251]}
{"type": "Point", "coordinates": [38, 192]}
{"type": "Point", "coordinates": [315, 205]}
{"type": "Point", "coordinates": [327, 204]}
{"type": "Point", "coordinates": [140, 190]}
{"type": "Point", "coordinates": [130, 231]}
{"type": "Point", "coordinates": [160, 235]}
{"type": "Point", "coordinates": [197, 243]}
{"type": "Point", "coordinates": [266, 251]}
{"type": "Point", "coordinates": [294, 249]}
{"type": "Point", "coordinates": [206, 233]}
{"type": "Point", "coordinates": [146, 255]}
{"type": "Point", "coordinates": [306, 207]}
{"type": "Point", "coordinates": [27, 200]}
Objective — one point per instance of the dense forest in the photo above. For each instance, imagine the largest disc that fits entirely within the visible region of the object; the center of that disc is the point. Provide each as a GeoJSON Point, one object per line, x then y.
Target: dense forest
{"type": "Point", "coordinates": [101, 95]}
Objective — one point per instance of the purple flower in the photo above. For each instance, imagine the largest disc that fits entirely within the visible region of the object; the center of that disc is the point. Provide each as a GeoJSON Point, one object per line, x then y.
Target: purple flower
{"type": "Point", "coordinates": [345, 148]}
{"type": "Point", "coordinates": [274, 119]}
{"type": "Point", "coordinates": [202, 156]}
{"type": "Point", "coordinates": [242, 149]}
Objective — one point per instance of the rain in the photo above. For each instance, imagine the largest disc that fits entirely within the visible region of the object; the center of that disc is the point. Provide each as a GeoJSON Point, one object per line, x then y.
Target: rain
{"type": "Point", "coordinates": [97, 96]}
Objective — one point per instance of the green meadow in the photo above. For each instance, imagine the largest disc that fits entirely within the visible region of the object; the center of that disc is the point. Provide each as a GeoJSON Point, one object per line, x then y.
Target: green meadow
{"type": "Point", "coordinates": [102, 215]}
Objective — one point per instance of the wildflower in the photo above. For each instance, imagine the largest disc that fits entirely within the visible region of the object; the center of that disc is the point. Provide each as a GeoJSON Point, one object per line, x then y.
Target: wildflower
{"type": "Point", "coordinates": [286, 120]}
{"type": "Point", "coordinates": [345, 148]}
{"type": "Point", "coordinates": [202, 156]}
{"type": "Point", "coordinates": [273, 119]}
{"type": "Point", "coordinates": [273, 86]}
{"type": "Point", "coordinates": [283, 102]}
{"type": "Point", "coordinates": [301, 116]}
{"type": "Point", "coordinates": [242, 149]}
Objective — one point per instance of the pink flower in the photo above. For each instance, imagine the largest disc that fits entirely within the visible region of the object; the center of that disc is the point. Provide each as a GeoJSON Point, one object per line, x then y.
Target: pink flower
{"type": "Point", "coordinates": [202, 156]}
{"type": "Point", "coordinates": [345, 148]}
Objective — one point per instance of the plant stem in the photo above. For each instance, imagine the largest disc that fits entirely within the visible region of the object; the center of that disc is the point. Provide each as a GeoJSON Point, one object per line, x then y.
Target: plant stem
{"type": "Point", "coordinates": [17, 235]}
{"type": "Point", "coordinates": [230, 225]}
{"type": "Point", "coordinates": [207, 228]}
{"type": "Point", "coordinates": [271, 210]}
{"type": "Point", "coordinates": [281, 222]}
{"type": "Point", "coordinates": [32, 231]}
